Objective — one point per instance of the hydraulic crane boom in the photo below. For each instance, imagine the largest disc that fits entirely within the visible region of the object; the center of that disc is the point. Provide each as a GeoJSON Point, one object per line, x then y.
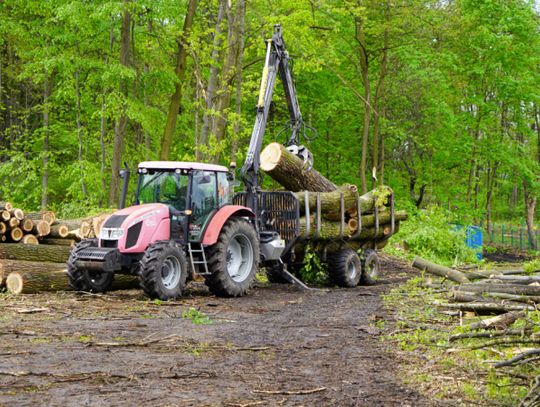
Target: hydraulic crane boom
{"type": "Point", "coordinates": [277, 60]}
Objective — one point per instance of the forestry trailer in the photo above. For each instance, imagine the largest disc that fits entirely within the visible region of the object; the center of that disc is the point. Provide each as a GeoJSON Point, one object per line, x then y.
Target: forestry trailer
{"type": "Point", "coordinates": [185, 220]}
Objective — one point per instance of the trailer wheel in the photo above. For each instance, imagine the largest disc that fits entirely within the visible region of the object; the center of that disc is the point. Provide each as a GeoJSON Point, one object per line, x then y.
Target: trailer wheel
{"type": "Point", "coordinates": [163, 271]}
{"type": "Point", "coordinates": [344, 268]}
{"type": "Point", "coordinates": [370, 268]}
{"type": "Point", "coordinates": [87, 280]}
{"type": "Point", "coordinates": [233, 260]}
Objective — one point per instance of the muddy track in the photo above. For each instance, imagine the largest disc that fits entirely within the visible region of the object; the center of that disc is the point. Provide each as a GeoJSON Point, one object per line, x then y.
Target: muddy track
{"type": "Point", "coordinates": [277, 346]}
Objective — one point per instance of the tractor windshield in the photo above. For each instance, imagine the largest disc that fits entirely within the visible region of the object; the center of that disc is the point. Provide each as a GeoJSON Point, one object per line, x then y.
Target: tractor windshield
{"type": "Point", "coordinates": [166, 187]}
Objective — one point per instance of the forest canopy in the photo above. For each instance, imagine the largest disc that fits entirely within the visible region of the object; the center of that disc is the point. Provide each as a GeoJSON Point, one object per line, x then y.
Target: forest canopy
{"type": "Point", "coordinates": [438, 99]}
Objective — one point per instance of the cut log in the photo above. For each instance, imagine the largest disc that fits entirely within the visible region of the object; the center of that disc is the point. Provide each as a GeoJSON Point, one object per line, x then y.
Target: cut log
{"type": "Point", "coordinates": [516, 289]}
{"type": "Point", "coordinates": [41, 228]}
{"type": "Point", "coordinates": [27, 224]}
{"type": "Point", "coordinates": [78, 228]}
{"type": "Point", "coordinates": [5, 216]}
{"type": "Point", "coordinates": [378, 197]}
{"type": "Point", "coordinates": [464, 296]}
{"type": "Point", "coordinates": [98, 221]}
{"type": "Point", "coordinates": [17, 213]}
{"type": "Point", "coordinates": [289, 170]}
{"type": "Point", "coordinates": [30, 239]}
{"type": "Point", "coordinates": [59, 230]}
{"type": "Point", "coordinates": [499, 322]}
{"type": "Point", "coordinates": [330, 201]}
{"type": "Point", "coordinates": [16, 234]}
{"type": "Point", "coordinates": [440, 271]}
{"type": "Point", "coordinates": [47, 216]}
{"type": "Point", "coordinates": [13, 223]}
{"type": "Point", "coordinates": [44, 253]}
{"type": "Point", "coordinates": [59, 242]}
{"type": "Point", "coordinates": [488, 307]}
{"type": "Point", "coordinates": [35, 281]}
{"type": "Point", "coordinates": [7, 206]}
{"type": "Point", "coordinates": [369, 220]}
{"type": "Point", "coordinates": [514, 279]}
{"type": "Point", "coordinates": [331, 231]}
{"type": "Point", "coordinates": [3, 228]}
{"type": "Point", "coordinates": [480, 274]}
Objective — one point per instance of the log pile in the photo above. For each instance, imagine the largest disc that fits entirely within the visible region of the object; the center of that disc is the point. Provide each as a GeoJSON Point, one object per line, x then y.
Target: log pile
{"type": "Point", "coordinates": [336, 213]}
{"type": "Point", "coordinates": [34, 249]}
{"type": "Point", "coordinates": [488, 302]}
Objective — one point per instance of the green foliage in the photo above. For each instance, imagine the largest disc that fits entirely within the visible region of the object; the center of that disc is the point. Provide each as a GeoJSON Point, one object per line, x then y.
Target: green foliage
{"type": "Point", "coordinates": [430, 234]}
{"type": "Point", "coordinates": [313, 270]}
{"type": "Point", "coordinates": [531, 266]}
{"type": "Point", "coordinates": [197, 317]}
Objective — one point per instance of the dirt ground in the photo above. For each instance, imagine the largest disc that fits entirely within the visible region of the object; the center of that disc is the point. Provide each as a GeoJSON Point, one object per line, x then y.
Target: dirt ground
{"type": "Point", "coordinates": [275, 347]}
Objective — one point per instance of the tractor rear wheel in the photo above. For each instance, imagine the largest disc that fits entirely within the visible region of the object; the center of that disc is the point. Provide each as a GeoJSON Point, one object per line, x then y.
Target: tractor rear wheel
{"type": "Point", "coordinates": [87, 280]}
{"type": "Point", "coordinates": [163, 271]}
{"type": "Point", "coordinates": [234, 259]}
{"type": "Point", "coordinates": [344, 268]}
{"type": "Point", "coordinates": [370, 268]}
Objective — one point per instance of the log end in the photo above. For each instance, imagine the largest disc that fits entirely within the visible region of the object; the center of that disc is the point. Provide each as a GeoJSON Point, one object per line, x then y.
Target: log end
{"type": "Point", "coordinates": [14, 283]}
{"type": "Point", "coordinates": [270, 156]}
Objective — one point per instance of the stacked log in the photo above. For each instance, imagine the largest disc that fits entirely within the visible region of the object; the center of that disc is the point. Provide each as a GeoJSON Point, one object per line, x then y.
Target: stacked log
{"type": "Point", "coordinates": [345, 216]}
{"type": "Point", "coordinates": [34, 249]}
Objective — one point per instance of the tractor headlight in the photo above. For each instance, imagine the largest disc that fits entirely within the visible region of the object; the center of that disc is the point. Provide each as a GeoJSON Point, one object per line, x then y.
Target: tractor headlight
{"type": "Point", "coordinates": [111, 233]}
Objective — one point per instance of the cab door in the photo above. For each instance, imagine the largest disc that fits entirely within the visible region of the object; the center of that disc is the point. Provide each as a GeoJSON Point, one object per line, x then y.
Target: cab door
{"type": "Point", "coordinates": [204, 201]}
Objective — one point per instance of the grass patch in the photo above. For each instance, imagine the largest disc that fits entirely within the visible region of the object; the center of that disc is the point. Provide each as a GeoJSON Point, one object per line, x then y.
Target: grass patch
{"type": "Point", "coordinates": [197, 317]}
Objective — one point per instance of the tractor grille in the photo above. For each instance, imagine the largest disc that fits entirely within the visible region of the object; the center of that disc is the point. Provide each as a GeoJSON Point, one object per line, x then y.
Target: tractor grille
{"type": "Point", "coordinates": [94, 253]}
{"type": "Point", "coordinates": [278, 212]}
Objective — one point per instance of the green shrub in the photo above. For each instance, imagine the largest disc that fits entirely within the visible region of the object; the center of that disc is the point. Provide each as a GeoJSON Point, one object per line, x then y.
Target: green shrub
{"type": "Point", "coordinates": [430, 234]}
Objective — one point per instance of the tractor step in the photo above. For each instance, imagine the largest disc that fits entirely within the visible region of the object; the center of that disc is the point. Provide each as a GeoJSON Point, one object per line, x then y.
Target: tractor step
{"type": "Point", "coordinates": [193, 260]}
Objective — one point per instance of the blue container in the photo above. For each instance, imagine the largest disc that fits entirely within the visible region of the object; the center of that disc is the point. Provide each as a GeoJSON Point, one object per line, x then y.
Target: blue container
{"type": "Point", "coordinates": [475, 240]}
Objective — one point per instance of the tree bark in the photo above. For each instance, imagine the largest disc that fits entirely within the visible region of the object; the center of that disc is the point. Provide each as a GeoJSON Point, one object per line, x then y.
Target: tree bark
{"type": "Point", "coordinates": [364, 73]}
{"type": "Point", "coordinates": [289, 171]}
{"type": "Point", "coordinates": [59, 241]}
{"type": "Point", "coordinates": [174, 105]}
{"type": "Point", "coordinates": [6, 206]}
{"type": "Point", "coordinates": [488, 307]}
{"type": "Point", "coordinates": [41, 228]}
{"type": "Point", "coordinates": [238, 96]}
{"type": "Point", "coordinates": [79, 132]}
{"type": "Point", "coordinates": [438, 270]}
{"type": "Point", "coordinates": [118, 143]}
{"type": "Point", "coordinates": [41, 253]}
{"type": "Point", "coordinates": [59, 230]}
{"type": "Point", "coordinates": [499, 322]}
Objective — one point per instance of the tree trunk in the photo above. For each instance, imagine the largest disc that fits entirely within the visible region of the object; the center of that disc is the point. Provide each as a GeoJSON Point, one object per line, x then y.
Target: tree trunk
{"type": "Point", "coordinates": [330, 201]}
{"type": "Point", "coordinates": [79, 131]}
{"type": "Point", "coordinates": [41, 253]}
{"type": "Point", "coordinates": [485, 307]}
{"type": "Point", "coordinates": [6, 206]}
{"type": "Point", "coordinates": [241, 8]}
{"type": "Point", "coordinates": [41, 228]}
{"type": "Point", "coordinates": [369, 220]}
{"type": "Point", "coordinates": [440, 271]}
{"type": "Point", "coordinates": [208, 116]}
{"type": "Point", "coordinates": [59, 230]}
{"type": "Point", "coordinates": [499, 322]}
{"type": "Point", "coordinates": [287, 169]}
{"type": "Point", "coordinates": [174, 106]}
{"type": "Point", "coordinates": [364, 71]}
{"type": "Point", "coordinates": [331, 231]}
{"type": "Point", "coordinates": [118, 144]}
{"type": "Point", "coordinates": [45, 160]}
{"type": "Point", "coordinates": [530, 207]}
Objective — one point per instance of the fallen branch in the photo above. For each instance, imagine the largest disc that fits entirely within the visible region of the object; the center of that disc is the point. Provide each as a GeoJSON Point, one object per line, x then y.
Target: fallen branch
{"type": "Point", "coordinates": [487, 307]}
{"type": "Point", "coordinates": [489, 334]}
{"type": "Point", "coordinates": [533, 396]}
{"type": "Point", "coordinates": [290, 392]}
{"type": "Point", "coordinates": [518, 358]}
{"type": "Point", "coordinates": [504, 341]}
{"type": "Point", "coordinates": [500, 321]}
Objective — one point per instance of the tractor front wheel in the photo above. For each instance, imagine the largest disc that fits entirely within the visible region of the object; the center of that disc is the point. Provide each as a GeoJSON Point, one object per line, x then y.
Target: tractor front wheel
{"type": "Point", "coordinates": [87, 280]}
{"type": "Point", "coordinates": [234, 259]}
{"type": "Point", "coordinates": [163, 271]}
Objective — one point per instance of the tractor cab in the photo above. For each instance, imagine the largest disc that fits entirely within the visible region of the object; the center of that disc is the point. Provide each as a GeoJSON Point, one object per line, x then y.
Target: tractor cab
{"type": "Point", "coordinates": [191, 191]}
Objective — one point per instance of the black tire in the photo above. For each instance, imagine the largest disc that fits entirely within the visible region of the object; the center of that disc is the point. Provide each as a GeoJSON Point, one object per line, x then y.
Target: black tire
{"type": "Point", "coordinates": [273, 272]}
{"type": "Point", "coordinates": [344, 268]}
{"type": "Point", "coordinates": [87, 280]}
{"type": "Point", "coordinates": [163, 271]}
{"type": "Point", "coordinates": [371, 268]}
{"type": "Point", "coordinates": [229, 276]}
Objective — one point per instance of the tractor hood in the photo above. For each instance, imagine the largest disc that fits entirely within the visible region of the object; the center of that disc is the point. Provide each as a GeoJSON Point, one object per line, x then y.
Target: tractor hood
{"type": "Point", "coordinates": [135, 227]}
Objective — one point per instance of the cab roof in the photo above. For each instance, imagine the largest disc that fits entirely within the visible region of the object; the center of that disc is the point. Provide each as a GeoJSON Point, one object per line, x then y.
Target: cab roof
{"type": "Point", "coordinates": [181, 165]}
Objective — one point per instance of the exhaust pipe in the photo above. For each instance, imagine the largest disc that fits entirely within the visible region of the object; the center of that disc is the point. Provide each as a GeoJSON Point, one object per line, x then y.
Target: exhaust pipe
{"type": "Point", "coordinates": [124, 174]}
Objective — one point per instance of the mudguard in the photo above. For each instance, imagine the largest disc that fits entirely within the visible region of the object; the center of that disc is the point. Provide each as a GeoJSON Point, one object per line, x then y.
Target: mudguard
{"type": "Point", "coordinates": [213, 229]}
